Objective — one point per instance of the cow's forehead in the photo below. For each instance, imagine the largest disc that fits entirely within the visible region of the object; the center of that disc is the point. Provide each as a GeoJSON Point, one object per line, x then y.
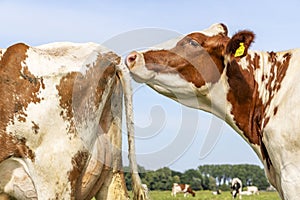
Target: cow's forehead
{"type": "Point", "coordinates": [213, 30]}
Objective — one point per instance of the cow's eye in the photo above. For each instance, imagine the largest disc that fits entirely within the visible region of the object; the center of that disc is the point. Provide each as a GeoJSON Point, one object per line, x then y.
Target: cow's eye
{"type": "Point", "coordinates": [194, 43]}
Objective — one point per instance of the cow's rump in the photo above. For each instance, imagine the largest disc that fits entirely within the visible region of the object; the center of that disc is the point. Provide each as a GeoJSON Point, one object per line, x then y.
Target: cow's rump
{"type": "Point", "coordinates": [60, 123]}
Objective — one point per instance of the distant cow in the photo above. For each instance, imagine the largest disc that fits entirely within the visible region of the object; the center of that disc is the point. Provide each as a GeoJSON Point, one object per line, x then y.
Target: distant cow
{"type": "Point", "coordinates": [145, 188]}
{"type": "Point", "coordinates": [236, 187]}
{"type": "Point", "coordinates": [245, 193]}
{"type": "Point", "coordinates": [255, 92]}
{"type": "Point", "coordinates": [217, 192]}
{"type": "Point", "coordinates": [182, 188]}
{"type": "Point", "coordinates": [60, 119]}
{"type": "Point", "coordinates": [252, 189]}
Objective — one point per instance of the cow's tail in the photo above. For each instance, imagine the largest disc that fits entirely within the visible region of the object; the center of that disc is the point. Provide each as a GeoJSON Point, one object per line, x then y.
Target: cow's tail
{"type": "Point", "coordinates": [139, 193]}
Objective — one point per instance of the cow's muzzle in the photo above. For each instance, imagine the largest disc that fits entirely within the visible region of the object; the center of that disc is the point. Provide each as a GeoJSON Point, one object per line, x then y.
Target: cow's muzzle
{"type": "Point", "coordinates": [131, 59]}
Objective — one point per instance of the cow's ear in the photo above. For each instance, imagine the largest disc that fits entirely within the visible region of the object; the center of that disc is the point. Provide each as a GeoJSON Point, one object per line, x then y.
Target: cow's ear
{"type": "Point", "coordinates": [238, 45]}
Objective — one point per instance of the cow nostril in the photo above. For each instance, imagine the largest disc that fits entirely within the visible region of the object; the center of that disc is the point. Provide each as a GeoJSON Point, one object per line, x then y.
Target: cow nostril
{"type": "Point", "coordinates": [131, 59]}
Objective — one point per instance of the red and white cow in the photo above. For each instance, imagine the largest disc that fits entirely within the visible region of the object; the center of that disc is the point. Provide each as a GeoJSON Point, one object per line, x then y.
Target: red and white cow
{"type": "Point", "coordinates": [182, 188]}
{"type": "Point", "coordinates": [256, 93]}
{"type": "Point", "coordinates": [60, 122]}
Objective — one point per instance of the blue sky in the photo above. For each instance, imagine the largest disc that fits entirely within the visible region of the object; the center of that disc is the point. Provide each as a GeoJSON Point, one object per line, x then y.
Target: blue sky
{"type": "Point", "coordinates": [164, 128]}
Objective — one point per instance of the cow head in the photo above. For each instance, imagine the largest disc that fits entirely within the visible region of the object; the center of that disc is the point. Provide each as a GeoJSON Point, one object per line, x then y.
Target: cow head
{"type": "Point", "coordinates": [192, 66]}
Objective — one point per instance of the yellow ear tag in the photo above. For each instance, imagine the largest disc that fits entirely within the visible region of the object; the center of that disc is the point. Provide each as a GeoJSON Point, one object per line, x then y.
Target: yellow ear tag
{"type": "Point", "coordinates": [240, 51]}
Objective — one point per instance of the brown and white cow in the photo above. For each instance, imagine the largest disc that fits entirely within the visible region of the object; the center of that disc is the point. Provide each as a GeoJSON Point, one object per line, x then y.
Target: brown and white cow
{"type": "Point", "coordinates": [182, 188]}
{"type": "Point", "coordinates": [256, 93]}
{"type": "Point", "coordinates": [60, 122]}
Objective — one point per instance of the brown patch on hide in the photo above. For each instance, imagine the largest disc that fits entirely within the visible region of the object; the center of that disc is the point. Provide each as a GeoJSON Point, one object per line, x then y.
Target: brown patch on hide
{"type": "Point", "coordinates": [82, 93]}
{"type": "Point", "coordinates": [186, 189]}
{"type": "Point", "coordinates": [279, 67]}
{"type": "Point", "coordinates": [35, 127]}
{"type": "Point", "coordinates": [247, 108]}
{"type": "Point", "coordinates": [19, 88]}
{"type": "Point", "coordinates": [197, 58]}
{"type": "Point", "coordinates": [244, 97]}
{"type": "Point", "coordinates": [65, 92]}
{"type": "Point", "coordinates": [79, 161]}
{"type": "Point", "coordinates": [16, 147]}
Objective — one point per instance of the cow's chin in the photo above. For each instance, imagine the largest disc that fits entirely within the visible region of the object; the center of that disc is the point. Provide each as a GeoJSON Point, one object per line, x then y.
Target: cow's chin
{"type": "Point", "coordinates": [162, 90]}
{"type": "Point", "coordinates": [141, 74]}
{"type": "Point", "coordinates": [139, 79]}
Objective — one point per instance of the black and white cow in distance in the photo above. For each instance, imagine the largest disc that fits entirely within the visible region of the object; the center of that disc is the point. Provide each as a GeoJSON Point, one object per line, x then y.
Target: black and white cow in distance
{"type": "Point", "coordinates": [60, 122]}
{"type": "Point", "coordinates": [236, 187]}
{"type": "Point", "coordinates": [256, 93]}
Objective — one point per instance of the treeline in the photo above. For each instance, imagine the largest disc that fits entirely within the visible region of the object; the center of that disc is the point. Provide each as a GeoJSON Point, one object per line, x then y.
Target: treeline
{"type": "Point", "coordinates": [206, 177]}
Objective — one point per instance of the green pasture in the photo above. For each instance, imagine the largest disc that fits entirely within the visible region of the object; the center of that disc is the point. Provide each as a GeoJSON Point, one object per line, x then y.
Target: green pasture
{"type": "Point", "coordinates": [207, 195]}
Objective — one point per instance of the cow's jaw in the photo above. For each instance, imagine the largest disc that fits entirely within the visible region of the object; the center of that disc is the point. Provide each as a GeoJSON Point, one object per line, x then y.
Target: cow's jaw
{"type": "Point", "coordinates": [210, 97]}
{"type": "Point", "coordinates": [171, 85]}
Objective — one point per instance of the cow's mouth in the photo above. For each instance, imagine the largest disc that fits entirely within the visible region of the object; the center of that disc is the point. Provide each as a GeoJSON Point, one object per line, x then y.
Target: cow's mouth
{"type": "Point", "coordinates": [135, 62]}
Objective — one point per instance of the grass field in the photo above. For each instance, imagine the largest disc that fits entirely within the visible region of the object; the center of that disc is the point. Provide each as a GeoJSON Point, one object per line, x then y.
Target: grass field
{"type": "Point", "coordinates": [207, 195]}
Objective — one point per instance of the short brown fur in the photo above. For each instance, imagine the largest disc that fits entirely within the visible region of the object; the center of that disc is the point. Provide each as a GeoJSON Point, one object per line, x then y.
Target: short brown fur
{"type": "Point", "coordinates": [18, 88]}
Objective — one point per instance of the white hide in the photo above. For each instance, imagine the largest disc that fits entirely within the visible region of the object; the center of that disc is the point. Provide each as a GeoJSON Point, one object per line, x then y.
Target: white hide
{"type": "Point", "coordinates": [52, 62]}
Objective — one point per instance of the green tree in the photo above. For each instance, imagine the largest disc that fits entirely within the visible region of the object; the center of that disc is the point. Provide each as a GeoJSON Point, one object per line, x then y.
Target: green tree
{"type": "Point", "coordinates": [206, 182]}
{"type": "Point", "coordinates": [207, 177]}
{"type": "Point", "coordinates": [249, 174]}
{"type": "Point", "coordinates": [176, 179]}
{"type": "Point", "coordinates": [160, 179]}
{"type": "Point", "coordinates": [192, 177]}
{"type": "Point", "coordinates": [212, 183]}
{"type": "Point", "coordinates": [127, 175]}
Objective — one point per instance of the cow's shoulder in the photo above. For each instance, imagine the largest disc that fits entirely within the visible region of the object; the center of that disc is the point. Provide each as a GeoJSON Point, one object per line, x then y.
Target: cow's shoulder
{"type": "Point", "coordinates": [13, 55]}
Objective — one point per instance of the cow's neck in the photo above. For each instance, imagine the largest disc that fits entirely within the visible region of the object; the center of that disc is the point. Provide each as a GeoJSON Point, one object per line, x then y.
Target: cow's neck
{"type": "Point", "coordinates": [243, 98]}
{"type": "Point", "coordinates": [251, 87]}
{"type": "Point", "coordinates": [250, 84]}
